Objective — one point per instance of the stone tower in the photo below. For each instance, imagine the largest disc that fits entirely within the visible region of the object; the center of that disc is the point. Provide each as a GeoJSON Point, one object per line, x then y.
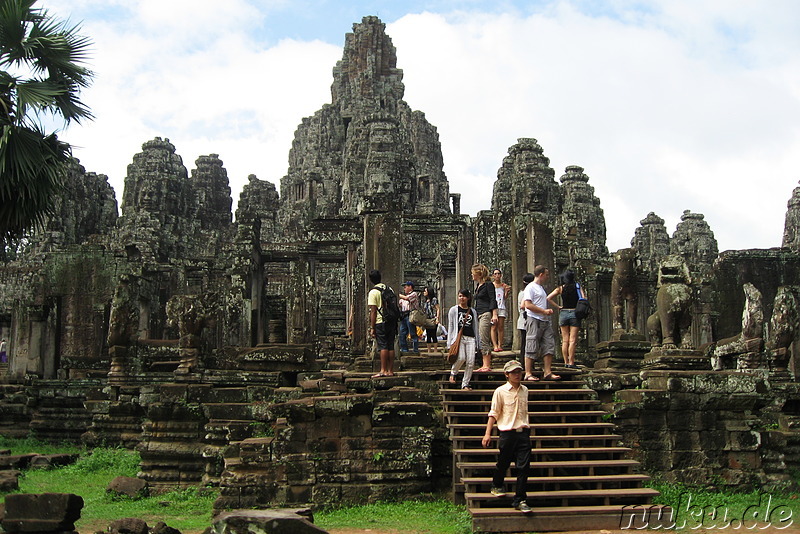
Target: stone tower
{"type": "Point", "coordinates": [695, 242]}
{"type": "Point", "coordinates": [581, 232]}
{"type": "Point", "coordinates": [651, 242]}
{"type": "Point", "coordinates": [366, 151]}
{"type": "Point", "coordinates": [87, 206]}
{"type": "Point", "coordinates": [791, 228]}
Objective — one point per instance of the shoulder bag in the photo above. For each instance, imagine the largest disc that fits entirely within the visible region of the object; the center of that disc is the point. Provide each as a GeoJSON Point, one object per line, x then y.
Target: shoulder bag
{"type": "Point", "coordinates": [452, 354]}
{"type": "Point", "coordinates": [582, 308]}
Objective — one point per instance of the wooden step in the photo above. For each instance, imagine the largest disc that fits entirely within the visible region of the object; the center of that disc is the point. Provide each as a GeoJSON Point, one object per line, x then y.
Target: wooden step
{"type": "Point", "coordinates": [561, 464]}
{"type": "Point", "coordinates": [553, 450]}
{"type": "Point", "coordinates": [466, 403]}
{"type": "Point", "coordinates": [627, 477]}
{"type": "Point", "coordinates": [557, 437]}
{"type": "Point", "coordinates": [533, 415]}
{"type": "Point", "coordinates": [535, 428]}
{"type": "Point", "coordinates": [607, 495]}
{"type": "Point", "coordinates": [569, 518]}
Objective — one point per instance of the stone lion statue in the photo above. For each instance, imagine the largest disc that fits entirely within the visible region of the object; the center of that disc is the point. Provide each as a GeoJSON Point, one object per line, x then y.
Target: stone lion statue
{"type": "Point", "coordinates": [784, 325]}
{"type": "Point", "coordinates": [671, 325]}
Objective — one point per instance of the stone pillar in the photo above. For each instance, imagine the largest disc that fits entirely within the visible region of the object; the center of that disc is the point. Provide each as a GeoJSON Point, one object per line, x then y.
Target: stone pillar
{"type": "Point", "coordinates": [383, 248]}
{"type": "Point", "coordinates": [356, 299]}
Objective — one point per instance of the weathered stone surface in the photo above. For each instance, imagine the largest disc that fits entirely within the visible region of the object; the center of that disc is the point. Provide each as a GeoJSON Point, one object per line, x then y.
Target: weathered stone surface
{"type": "Point", "coordinates": [129, 486]}
{"type": "Point", "coordinates": [651, 242]}
{"type": "Point", "coordinates": [274, 521]}
{"type": "Point", "coordinates": [694, 241]}
{"type": "Point", "coordinates": [791, 228]}
{"type": "Point", "coordinates": [128, 525]}
{"type": "Point", "coordinates": [42, 512]}
{"type": "Point", "coordinates": [9, 480]}
{"type": "Point", "coordinates": [163, 528]}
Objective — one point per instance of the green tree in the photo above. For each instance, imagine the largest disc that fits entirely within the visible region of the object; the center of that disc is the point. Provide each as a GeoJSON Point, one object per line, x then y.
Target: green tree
{"type": "Point", "coordinates": [42, 71]}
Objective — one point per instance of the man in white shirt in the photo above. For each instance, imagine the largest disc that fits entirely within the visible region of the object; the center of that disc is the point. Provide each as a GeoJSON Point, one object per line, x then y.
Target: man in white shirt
{"type": "Point", "coordinates": [510, 410]}
{"type": "Point", "coordinates": [539, 338]}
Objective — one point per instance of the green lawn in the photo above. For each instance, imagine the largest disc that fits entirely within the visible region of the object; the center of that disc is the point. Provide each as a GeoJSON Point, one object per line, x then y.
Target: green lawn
{"type": "Point", "coordinates": [188, 511]}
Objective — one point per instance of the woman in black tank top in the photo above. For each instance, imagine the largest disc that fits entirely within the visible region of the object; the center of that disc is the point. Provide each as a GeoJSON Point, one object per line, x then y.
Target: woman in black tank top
{"type": "Point", "coordinates": [567, 322]}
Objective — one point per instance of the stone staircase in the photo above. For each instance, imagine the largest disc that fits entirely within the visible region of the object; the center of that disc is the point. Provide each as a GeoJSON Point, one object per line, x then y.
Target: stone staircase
{"type": "Point", "coordinates": [580, 477]}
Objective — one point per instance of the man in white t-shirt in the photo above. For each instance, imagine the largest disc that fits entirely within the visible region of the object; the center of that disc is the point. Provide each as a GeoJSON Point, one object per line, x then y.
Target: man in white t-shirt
{"type": "Point", "coordinates": [539, 338]}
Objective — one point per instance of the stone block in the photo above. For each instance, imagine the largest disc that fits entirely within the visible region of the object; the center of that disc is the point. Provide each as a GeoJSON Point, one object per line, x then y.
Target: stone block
{"type": "Point", "coordinates": [44, 461]}
{"type": "Point", "coordinates": [9, 481]}
{"type": "Point", "coordinates": [131, 487]}
{"type": "Point", "coordinates": [41, 512]}
{"type": "Point", "coordinates": [744, 460]}
{"type": "Point", "coordinates": [685, 440]}
{"type": "Point", "coordinates": [713, 440]}
{"type": "Point", "coordinates": [360, 405]}
{"type": "Point", "coordinates": [295, 411]}
{"type": "Point", "coordinates": [274, 521]}
{"type": "Point", "coordinates": [128, 525]}
{"type": "Point", "coordinates": [404, 414]}
{"type": "Point", "coordinates": [744, 441]}
{"type": "Point", "coordinates": [16, 461]}
{"type": "Point", "coordinates": [357, 425]}
{"type": "Point", "coordinates": [163, 528]}
{"type": "Point", "coordinates": [687, 458]}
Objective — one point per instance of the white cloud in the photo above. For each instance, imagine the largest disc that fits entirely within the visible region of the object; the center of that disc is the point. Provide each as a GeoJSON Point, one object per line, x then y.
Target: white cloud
{"type": "Point", "coordinates": [657, 121]}
{"type": "Point", "coordinates": [667, 105]}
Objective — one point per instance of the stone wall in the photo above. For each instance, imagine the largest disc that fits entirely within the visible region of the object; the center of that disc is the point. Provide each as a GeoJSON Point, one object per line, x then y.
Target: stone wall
{"type": "Point", "coordinates": [711, 429]}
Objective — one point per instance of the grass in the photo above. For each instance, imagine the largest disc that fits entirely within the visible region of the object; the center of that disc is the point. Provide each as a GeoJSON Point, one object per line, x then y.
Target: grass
{"type": "Point", "coordinates": [698, 508]}
{"type": "Point", "coordinates": [419, 517]}
{"type": "Point", "coordinates": [188, 510]}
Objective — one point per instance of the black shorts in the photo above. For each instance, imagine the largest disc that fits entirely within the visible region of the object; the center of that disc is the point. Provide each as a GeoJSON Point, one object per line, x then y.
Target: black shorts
{"type": "Point", "coordinates": [385, 334]}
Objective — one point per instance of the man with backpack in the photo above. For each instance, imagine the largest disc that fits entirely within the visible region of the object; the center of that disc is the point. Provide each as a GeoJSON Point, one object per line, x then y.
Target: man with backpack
{"type": "Point", "coordinates": [383, 316]}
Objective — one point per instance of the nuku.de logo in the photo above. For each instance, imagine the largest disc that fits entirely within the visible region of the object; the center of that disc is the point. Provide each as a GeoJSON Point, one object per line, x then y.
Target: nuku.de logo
{"type": "Point", "coordinates": [766, 513]}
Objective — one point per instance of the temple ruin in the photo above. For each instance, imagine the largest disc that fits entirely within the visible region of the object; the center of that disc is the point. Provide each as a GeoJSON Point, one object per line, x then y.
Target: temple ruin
{"type": "Point", "coordinates": [234, 351]}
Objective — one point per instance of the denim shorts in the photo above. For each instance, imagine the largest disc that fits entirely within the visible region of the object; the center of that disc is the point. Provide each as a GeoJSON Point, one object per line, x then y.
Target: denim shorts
{"type": "Point", "coordinates": [567, 318]}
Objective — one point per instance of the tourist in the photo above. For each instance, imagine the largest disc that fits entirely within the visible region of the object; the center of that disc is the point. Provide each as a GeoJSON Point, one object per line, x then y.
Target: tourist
{"type": "Point", "coordinates": [539, 339]}
{"type": "Point", "coordinates": [409, 301]}
{"type": "Point", "coordinates": [431, 307]}
{"type": "Point", "coordinates": [510, 410]}
{"type": "Point", "coordinates": [463, 317]}
{"type": "Point", "coordinates": [384, 332]}
{"type": "Point", "coordinates": [486, 306]}
{"type": "Point", "coordinates": [501, 291]}
{"type": "Point", "coordinates": [3, 355]}
{"type": "Point", "coordinates": [523, 315]}
{"type": "Point", "coordinates": [567, 322]}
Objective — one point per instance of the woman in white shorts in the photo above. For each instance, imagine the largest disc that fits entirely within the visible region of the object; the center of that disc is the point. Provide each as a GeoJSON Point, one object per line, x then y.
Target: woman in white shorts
{"type": "Point", "coordinates": [501, 291]}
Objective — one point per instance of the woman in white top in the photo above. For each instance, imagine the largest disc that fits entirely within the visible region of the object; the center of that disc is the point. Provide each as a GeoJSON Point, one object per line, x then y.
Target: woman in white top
{"type": "Point", "coordinates": [501, 291]}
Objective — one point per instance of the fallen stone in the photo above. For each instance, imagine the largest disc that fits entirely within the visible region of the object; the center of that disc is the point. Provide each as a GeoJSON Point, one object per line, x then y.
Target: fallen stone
{"type": "Point", "coordinates": [43, 461]}
{"type": "Point", "coordinates": [9, 481]}
{"type": "Point", "coordinates": [163, 528]}
{"type": "Point", "coordinates": [16, 461]}
{"type": "Point", "coordinates": [129, 486]}
{"type": "Point", "coordinates": [275, 521]}
{"type": "Point", "coordinates": [128, 525]}
{"type": "Point", "coordinates": [41, 512]}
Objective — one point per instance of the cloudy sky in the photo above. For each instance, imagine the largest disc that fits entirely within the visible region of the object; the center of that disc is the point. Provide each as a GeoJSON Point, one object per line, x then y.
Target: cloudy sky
{"type": "Point", "coordinates": [668, 105]}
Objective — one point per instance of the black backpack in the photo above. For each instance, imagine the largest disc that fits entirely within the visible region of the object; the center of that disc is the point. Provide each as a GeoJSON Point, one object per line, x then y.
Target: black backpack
{"type": "Point", "coordinates": [390, 311]}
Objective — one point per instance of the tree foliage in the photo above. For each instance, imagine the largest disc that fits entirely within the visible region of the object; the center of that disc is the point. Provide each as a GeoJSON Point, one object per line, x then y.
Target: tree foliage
{"type": "Point", "coordinates": [42, 71]}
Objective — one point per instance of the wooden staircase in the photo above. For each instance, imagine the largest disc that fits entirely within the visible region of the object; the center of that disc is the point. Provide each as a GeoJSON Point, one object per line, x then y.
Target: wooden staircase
{"type": "Point", "coordinates": [580, 476]}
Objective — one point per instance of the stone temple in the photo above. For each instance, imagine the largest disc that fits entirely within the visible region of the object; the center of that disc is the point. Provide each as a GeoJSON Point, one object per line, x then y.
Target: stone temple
{"type": "Point", "coordinates": [201, 338]}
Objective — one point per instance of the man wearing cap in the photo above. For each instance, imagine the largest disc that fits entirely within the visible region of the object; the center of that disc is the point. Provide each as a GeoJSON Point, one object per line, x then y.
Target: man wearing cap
{"type": "Point", "coordinates": [408, 303]}
{"type": "Point", "coordinates": [510, 410]}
